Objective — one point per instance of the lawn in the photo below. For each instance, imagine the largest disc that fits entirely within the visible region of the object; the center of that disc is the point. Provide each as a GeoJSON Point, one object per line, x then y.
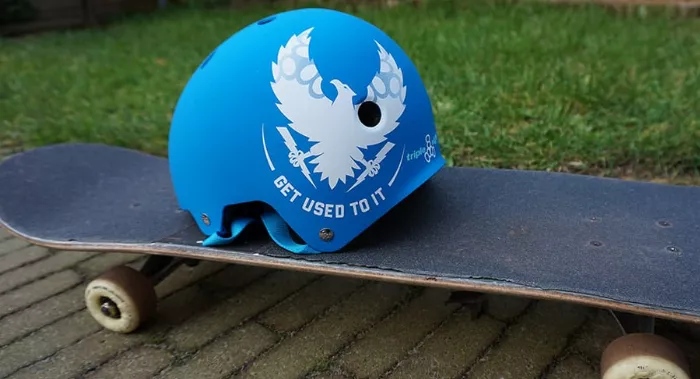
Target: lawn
{"type": "Point", "coordinates": [527, 86]}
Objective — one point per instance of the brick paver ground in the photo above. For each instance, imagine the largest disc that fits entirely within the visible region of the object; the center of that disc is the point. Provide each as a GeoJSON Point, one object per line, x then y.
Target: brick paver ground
{"type": "Point", "coordinates": [227, 321]}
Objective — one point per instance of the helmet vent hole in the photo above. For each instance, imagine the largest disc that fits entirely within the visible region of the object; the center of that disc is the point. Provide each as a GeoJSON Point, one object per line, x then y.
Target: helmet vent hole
{"type": "Point", "coordinates": [369, 114]}
{"type": "Point", "coordinates": [266, 20]}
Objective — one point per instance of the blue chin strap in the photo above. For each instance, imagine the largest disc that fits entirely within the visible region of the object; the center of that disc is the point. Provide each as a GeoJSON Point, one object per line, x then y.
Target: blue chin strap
{"type": "Point", "coordinates": [276, 227]}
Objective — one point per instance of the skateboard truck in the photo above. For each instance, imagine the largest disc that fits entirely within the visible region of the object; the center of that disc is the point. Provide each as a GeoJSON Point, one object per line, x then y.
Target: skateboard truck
{"type": "Point", "coordinates": [158, 267]}
{"type": "Point", "coordinates": [632, 323]}
{"type": "Point", "coordinates": [473, 302]}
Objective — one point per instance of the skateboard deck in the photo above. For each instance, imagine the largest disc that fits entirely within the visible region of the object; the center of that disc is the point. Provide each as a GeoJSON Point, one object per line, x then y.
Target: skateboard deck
{"type": "Point", "coordinates": [622, 245]}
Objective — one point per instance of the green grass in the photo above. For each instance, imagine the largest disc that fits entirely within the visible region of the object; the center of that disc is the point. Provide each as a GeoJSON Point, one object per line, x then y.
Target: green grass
{"type": "Point", "coordinates": [528, 86]}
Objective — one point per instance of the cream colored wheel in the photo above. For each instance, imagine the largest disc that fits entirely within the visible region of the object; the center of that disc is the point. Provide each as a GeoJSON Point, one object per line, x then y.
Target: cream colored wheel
{"type": "Point", "coordinates": [643, 356]}
{"type": "Point", "coordinates": [121, 299]}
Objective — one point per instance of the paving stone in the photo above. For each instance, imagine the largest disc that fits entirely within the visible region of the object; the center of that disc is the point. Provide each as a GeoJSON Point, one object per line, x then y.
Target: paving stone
{"type": "Point", "coordinates": [312, 347]}
{"type": "Point", "coordinates": [176, 308]}
{"type": "Point", "coordinates": [300, 308]}
{"type": "Point", "coordinates": [451, 349]}
{"type": "Point", "coordinates": [595, 336]}
{"type": "Point", "coordinates": [45, 341]}
{"type": "Point", "coordinates": [573, 367]}
{"type": "Point", "coordinates": [55, 262]}
{"type": "Point", "coordinates": [11, 245]}
{"type": "Point", "coordinates": [183, 276]}
{"type": "Point", "coordinates": [379, 350]}
{"type": "Point", "coordinates": [21, 257]}
{"type": "Point", "coordinates": [86, 354]}
{"type": "Point", "coordinates": [140, 363]}
{"type": "Point", "coordinates": [225, 355]}
{"type": "Point", "coordinates": [252, 300]}
{"type": "Point", "coordinates": [231, 277]}
{"type": "Point", "coordinates": [36, 291]}
{"type": "Point", "coordinates": [41, 314]}
{"type": "Point", "coordinates": [328, 375]}
{"type": "Point", "coordinates": [196, 298]}
{"type": "Point", "coordinates": [104, 261]}
{"type": "Point", "coordinates": [505, 308]}
{"type": "Point", "coordinates": [530, 344]}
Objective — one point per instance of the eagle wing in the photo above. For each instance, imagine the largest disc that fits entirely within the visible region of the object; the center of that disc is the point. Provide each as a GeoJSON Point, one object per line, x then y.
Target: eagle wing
{"type": "Point", "coordinates": [388, 91]}
{"type": "Point", "coordinates": [297, 85]}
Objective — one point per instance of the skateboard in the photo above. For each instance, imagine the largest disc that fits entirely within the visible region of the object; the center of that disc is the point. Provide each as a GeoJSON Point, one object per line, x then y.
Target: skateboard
{"type": "Point", "coordinates": [627, 246]}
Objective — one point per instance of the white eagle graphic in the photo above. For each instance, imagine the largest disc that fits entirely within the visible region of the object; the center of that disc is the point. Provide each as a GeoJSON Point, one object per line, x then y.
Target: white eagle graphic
{"type": "Point", "coordinates": [334, 127]}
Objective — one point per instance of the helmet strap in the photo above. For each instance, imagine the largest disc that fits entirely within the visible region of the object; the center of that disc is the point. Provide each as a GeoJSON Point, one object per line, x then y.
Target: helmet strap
{"type": "Point", "coordinates": [279, 231]}
{"type": "Point", "coordinates": [237, 227]}
{"type": "Point", "coordinates": [276, 227]}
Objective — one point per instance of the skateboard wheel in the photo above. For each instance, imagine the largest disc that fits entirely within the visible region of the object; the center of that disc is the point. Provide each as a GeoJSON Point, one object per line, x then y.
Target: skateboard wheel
{"type": "Point", "coordinates": [642, 355]}
{"type": "Point", "coordinates": [121, 299]}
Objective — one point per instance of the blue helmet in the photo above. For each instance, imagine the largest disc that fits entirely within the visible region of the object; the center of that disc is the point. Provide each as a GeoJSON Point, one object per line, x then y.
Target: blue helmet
{"type": "Point", "coordinates": [312, 120]}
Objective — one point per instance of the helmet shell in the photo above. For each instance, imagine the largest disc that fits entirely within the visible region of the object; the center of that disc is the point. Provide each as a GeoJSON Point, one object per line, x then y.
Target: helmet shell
{"type": "Point", "coordinates": [305, 81]}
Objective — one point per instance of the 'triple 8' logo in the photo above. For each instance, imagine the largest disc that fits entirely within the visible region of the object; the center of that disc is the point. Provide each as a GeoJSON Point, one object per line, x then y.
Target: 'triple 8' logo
{"type": "Point", "coordinates": [427, 152]}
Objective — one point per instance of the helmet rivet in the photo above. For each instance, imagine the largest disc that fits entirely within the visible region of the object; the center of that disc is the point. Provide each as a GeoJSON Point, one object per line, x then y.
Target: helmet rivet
{"type": "Point", "coordinates": [326, 234]}
{"type": "Point", "coordinates": [205, 219]}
